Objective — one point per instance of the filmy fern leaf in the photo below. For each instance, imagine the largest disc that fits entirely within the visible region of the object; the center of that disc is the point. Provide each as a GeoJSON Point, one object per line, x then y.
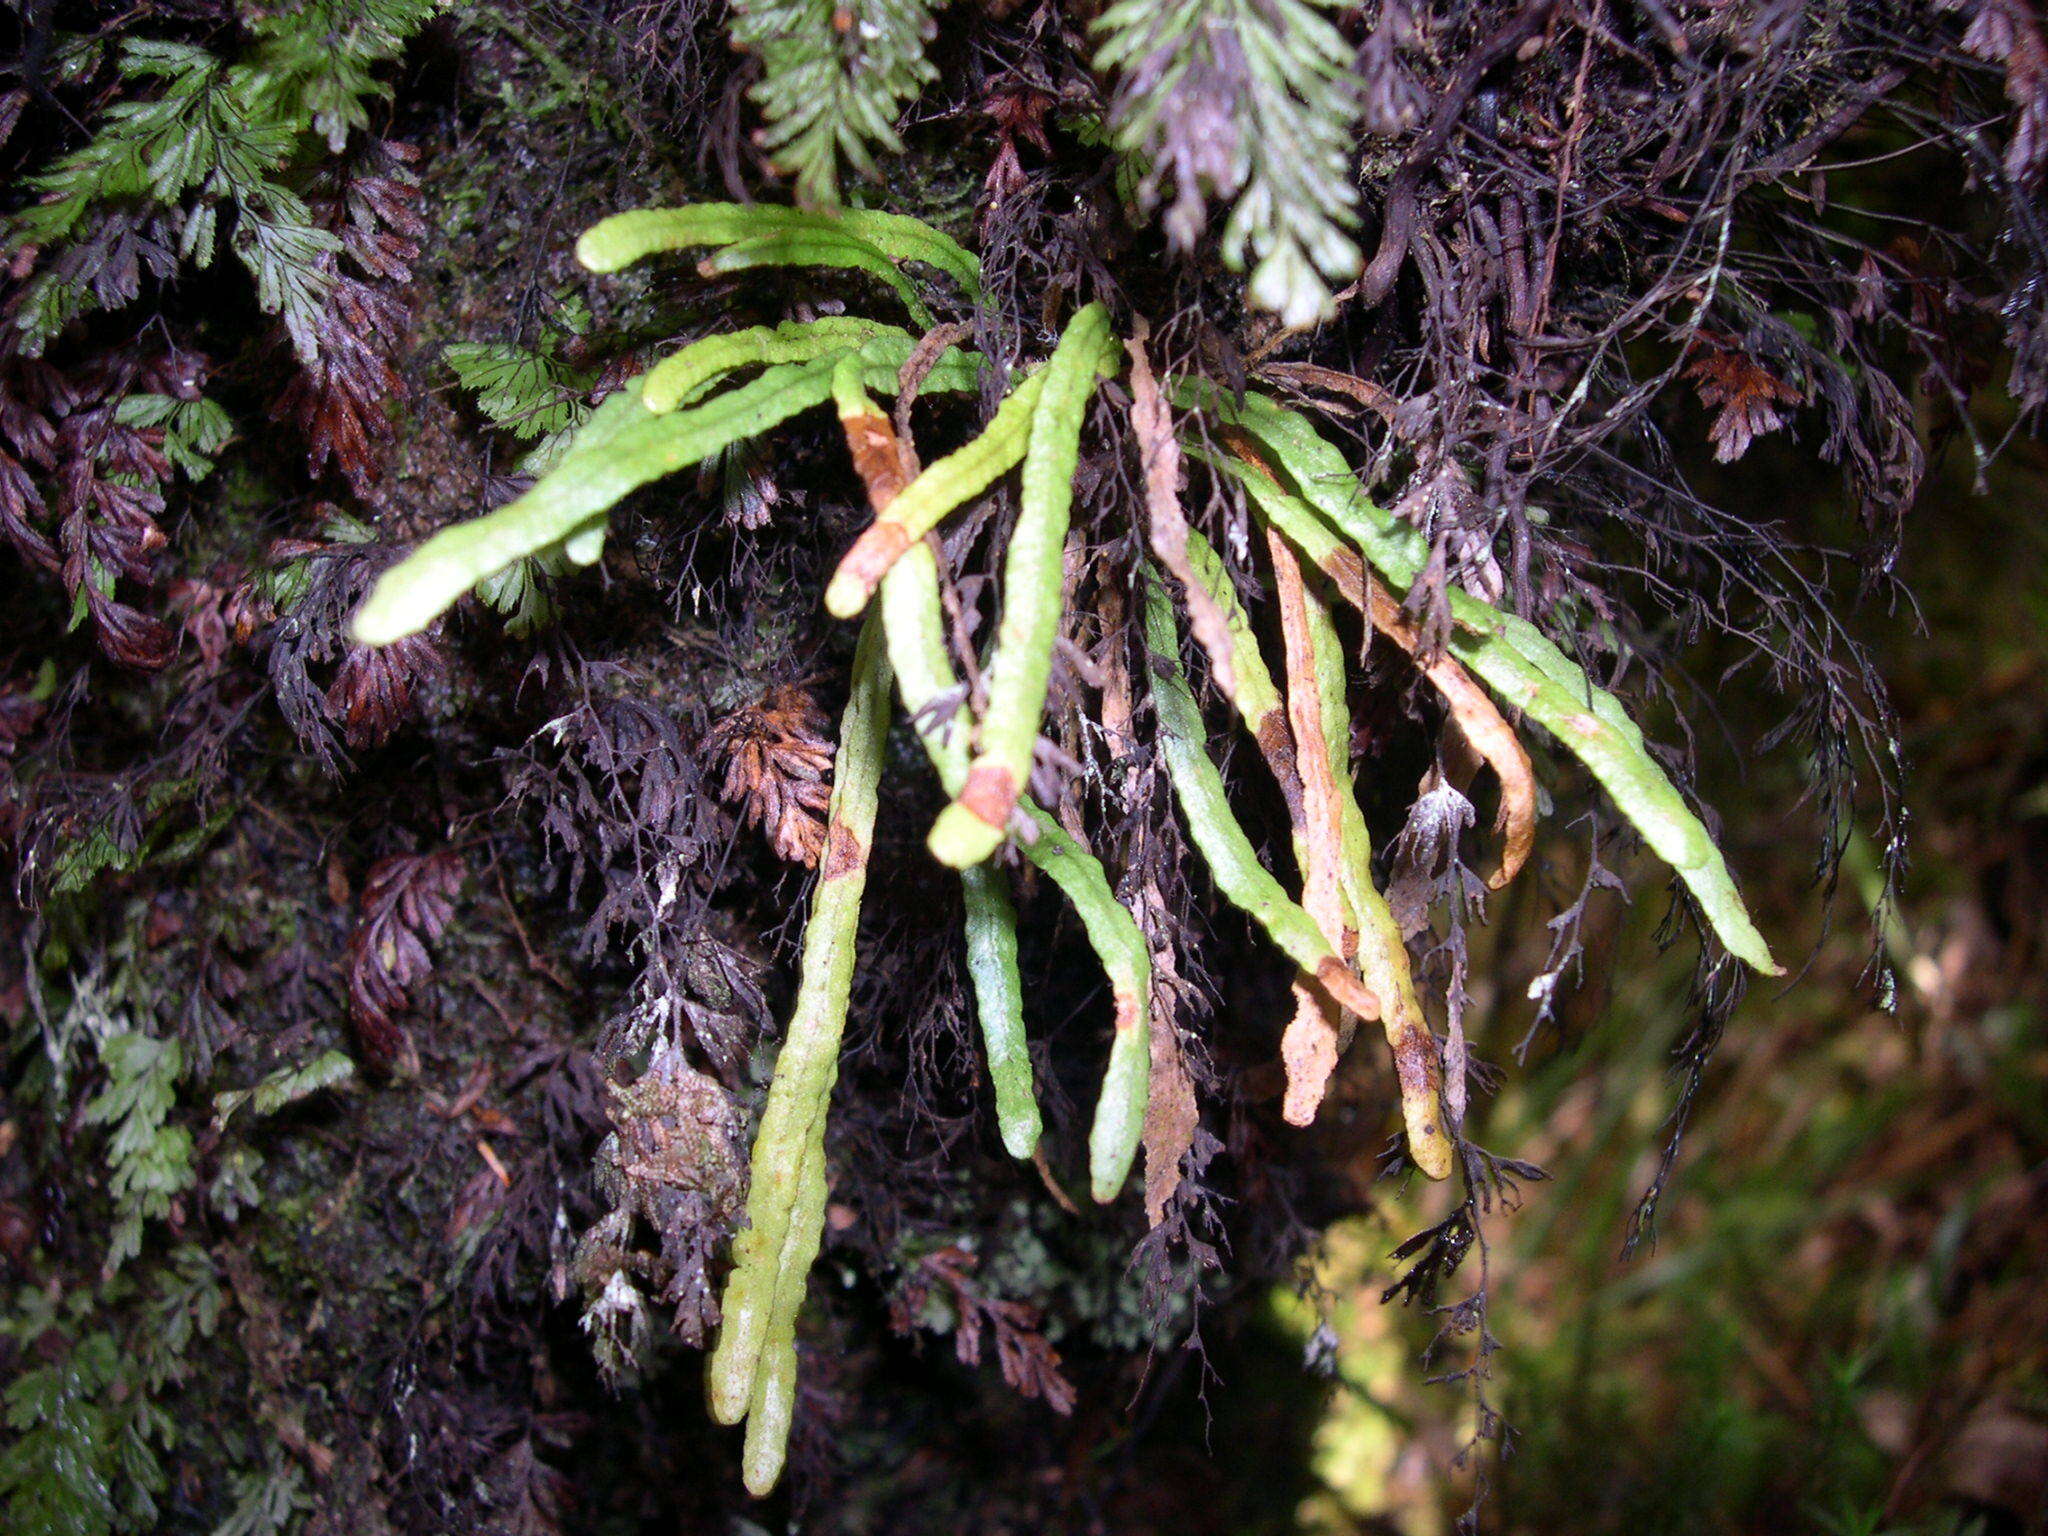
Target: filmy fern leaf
{"type": "Point", "coordinates": [151, 1159]}
{"type": "Point", "coordinates": [834, 75]}
{"type": "Point", "coordinates": [530, 393]}
{"type": "Point", "coordinates": [316, 58]}
{"type": "Point", "coordinates": [1251, 100]}
{"type": "Point", "coordinates": [209, 144]}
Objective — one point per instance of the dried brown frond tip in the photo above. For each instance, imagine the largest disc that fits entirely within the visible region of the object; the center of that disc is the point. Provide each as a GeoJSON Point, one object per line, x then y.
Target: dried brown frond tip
{"type": "Point", "coordinates": [1747, 395]}
{"type": "Point", "coordinates": [778, 767]}
{"type": "Point", "coordinates": [1029, 1362]}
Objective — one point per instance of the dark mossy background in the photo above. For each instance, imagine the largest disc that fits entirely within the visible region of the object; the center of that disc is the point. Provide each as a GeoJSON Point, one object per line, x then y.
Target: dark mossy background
{"type": "Point", "coordinates": [360, 1311]}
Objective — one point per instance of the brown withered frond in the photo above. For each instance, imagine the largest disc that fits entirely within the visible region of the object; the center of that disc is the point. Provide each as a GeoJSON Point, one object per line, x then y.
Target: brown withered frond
{"type": "Point", "coordinates": [1029, 1362]}
{"type": "Point", "coordinates": [778, 768]}
{"type": "Point", "coordinates": [338, 400]}
{"type": "Point", "coordinates": [406, 900]}
{"type": "Point", "coordinates": [1747, 396]}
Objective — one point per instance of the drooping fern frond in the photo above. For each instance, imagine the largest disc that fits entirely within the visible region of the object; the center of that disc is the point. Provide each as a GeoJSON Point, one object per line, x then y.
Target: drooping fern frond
{"type": "Point", "coordinates": [1020, 668]}
{"type": "Point", "coordinates": [752, 1374]}
{"type": "Point", "coordinates": [1326, 511]}
{"type": "Point", "coordinates": [1324, 542]}
{"type": "Point", "coordinates": [834, 75]}
{"type": "Point", "coordinates": [916, 632]}
{"type": "Point", "coordinates": [1250, 100]}
{"type": "Point", "coordinates": [622, 447]}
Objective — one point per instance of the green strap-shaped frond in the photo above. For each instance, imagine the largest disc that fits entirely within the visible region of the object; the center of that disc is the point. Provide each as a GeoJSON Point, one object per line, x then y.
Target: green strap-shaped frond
{"type": "Point", "coordinates": [999, 1004]}
{"type": "Point", "coordinates": [1257, 696]}
{"type": "Point", "coordinates": [1224, 844]}
{"type": "Point", "coordinates": [1521, 664]}
{"type": "Point", "coordinates": [991, 918]}
{"type": "Point", "coordinates": [772, 1408]}
{"type": "Point", "coordinates": [622, 447]}
{"type": "Point", "coordinates": [1382, 957]}
{"type": "Point", "coordinates": [939, 488]}
{"type": "Point", "coordinates": [753, 1368]}
{"type": "Point", "coordinates": [1020, 669]}
{"type": "Point", "coordinates": [817, 248]}
{"type": "Point", "coordinates": [682, 377]}
{"type": "Point", "coordinates": [625, 238]}
{"type": "Point", "coordinates": [915, 624]}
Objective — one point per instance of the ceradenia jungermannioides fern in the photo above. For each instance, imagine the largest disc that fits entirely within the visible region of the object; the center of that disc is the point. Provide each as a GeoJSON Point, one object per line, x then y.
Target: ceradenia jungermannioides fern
{"type": "Point", "coordinates": [1325, 545]}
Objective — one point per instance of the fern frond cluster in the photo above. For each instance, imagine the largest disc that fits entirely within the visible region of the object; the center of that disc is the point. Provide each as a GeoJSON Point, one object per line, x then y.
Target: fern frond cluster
{"type": "Point", "coordinates": [1248, 103]}
{"type": "Point", "coordinates": [1326, 543]}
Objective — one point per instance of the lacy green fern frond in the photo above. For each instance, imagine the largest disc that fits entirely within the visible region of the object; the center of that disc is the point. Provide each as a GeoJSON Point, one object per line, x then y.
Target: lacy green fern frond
{"type": "Point", "coordinates": [86, 1452]}
{"type": "Point", "coordinates": [151, 1160]}
{"type": "Point", "coordinates": [194, 430]}
{"type": "Point", "coordinates": [216, 137]}
{"type": "Point", "coordinates": [1251, 101]}
{"type": "Point", "coordinates": [529, 393]}
{"type": "Point", "coordinates": [204, 129]}
{"type": "Point", "coordinates": [835, 73]}
{"type": "Point", "coordinates": [316, 58]}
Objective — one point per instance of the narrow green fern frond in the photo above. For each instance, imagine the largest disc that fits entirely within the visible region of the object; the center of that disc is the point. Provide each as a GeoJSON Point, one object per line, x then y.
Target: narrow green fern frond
{"type": "Point", "coordinates": [752, 1372]}
{"type": "Point", "coordinates": [1198, 787]}
{"type": "Point", "coordinates": [939, 489]}
{"type": "Point", "coordinates": [999, 1004]}
{"type": "Point", "coordinates": [914, 623]}
{"type": "Point", "coordinates": [1523, 666]}
{"type": "Point", "coordinates": [818, 248]}
{"type": "Point", "coordinates": [1020, 667]}
{"type": "Point", "coordinates": [622, 447]}
{"type": "Point", "coordinates": [1251, 100]}
{"type": "Point", "coordinates": [681, 377]}
{"type": "Point", "coordinates": [834, 75]}
{"type": "Point", "coordinates": [625, 238]}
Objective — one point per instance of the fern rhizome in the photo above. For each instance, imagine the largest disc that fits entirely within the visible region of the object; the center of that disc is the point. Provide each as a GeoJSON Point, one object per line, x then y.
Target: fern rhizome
{"type": "Point", "coordinates": [1326, 548]}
